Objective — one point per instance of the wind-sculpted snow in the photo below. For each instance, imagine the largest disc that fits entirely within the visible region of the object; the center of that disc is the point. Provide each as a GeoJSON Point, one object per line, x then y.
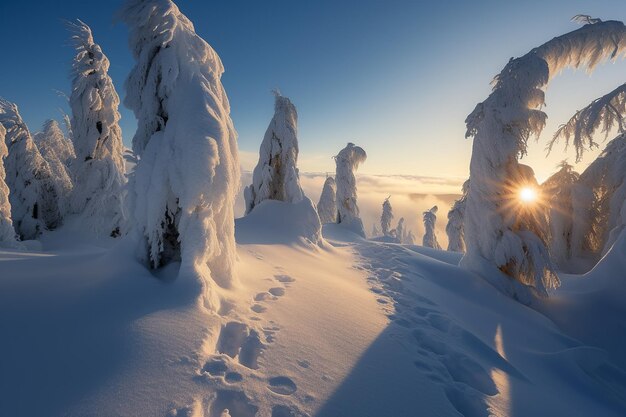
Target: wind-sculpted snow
{"type": "Point", "coordinates": [276, 175]}
{"type": "Point", "coordinates": [7, 233]}
{"type": "Point", "coordinates": [33, 194]}
{"type": "Point", "coordinates": [98, 171]}
{"type": "Point", "coordinates": [183, 189]}
{"type": "Point", "coordinates": [327, 206]}
{"type": "Point", "coordinates": [347, 162]}
{"type": "Point", "coordinates": [501, 127]}
{"type": "Point", "coordinates": [456, 216]}
{"type": "Point", "coordinates": [430, 221]}
{"type": "Point", "coordinates": [57, 152]}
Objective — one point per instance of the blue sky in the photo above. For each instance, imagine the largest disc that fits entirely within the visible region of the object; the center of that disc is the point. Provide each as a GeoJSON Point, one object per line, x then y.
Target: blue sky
{"type": "Point", "coordinates": [397, 77]}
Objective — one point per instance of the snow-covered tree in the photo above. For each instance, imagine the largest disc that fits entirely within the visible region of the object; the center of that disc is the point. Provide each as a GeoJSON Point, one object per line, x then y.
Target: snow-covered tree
{"type": "Point", "coordinates": [501, 127]}
{"type": "Point", "coordinates": [347, 161]}
{"type": "Point", "coordinates": [410, 238]}
{"type": "Point", "coordinates": [558, 192]}
{"type": "Point", "coordinates": [276, 176]}
{"type": "Point", "coordinates": [184, 186]}
{"type": "Point", "coordinates": [600, 191]}
{"type": "Point", "coordinates": [375, 231]}
{"type": "Point", "coordinates": [98, 171]}
{"type": "Point", "coordinates": [327, 206]}
{"type": "Point", "coordinates": [386, 217]}
{"type": "Point", "coordinates": [454, 228]}
{"type": "Point", "coordinates": [33, 194]}
{"type": "Point", "coordinates": [7, 233]}
{"type": "Point", "coordinates": [400, 232]}
{"type": "Point", "coordinates": [430, 221]}
{"type": "Point", "coordinates": [55, 149]}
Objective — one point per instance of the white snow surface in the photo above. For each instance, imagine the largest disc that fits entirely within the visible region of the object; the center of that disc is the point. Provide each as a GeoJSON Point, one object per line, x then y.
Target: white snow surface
{"type": "Point", "coordinates": [353, 328]}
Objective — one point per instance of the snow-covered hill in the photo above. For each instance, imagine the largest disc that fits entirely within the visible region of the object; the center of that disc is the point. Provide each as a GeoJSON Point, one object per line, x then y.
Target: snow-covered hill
{"type": "Point", "coordinates": [349, 327]}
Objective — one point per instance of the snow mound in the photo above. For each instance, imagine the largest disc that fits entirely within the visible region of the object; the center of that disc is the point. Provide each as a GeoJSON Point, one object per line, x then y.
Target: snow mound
{"type": "Point", "coordinates": [278, 222]}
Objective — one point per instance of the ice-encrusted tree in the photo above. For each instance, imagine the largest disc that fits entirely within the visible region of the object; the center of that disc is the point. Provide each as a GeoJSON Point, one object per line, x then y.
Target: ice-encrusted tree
{"type": "Point", "coordinates": [501, 127]}
{"type": "Point", "coordinates": [386, 217]}
{"type": "Point", "coordinates": [347, 161]}
{"type": "Point", "coordinates": [7, 233]}
{"type": "Point", "coordinates": [98, 171]}
{"type": "Point", "coordinates": [558, 192]}
{"type": "Point", "coordinates": [33, 195]}
{"type": "Point", "coordinates": [430, 221]}
{"type": "Point", "coordinates": [55, 149]}
{"type": "Point", "coordinates": [327, 206]}
{"type": "Point", "coordinates": [375, 231]}
{"type": "Point", "coordinates": [276, 175]}
{"type": "Point", "coordinates": [410, 238]}
{"type": "Point", "coordinates": [601, 188]}
{"type": "Point", "coordinates": [400, 231]}
{"type": "Point", "coordinates": [184, 186]}
{"type": "Point", "coordinates": [456, 216]}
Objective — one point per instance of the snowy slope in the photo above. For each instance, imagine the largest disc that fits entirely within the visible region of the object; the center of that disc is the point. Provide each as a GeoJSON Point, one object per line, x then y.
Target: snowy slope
{"type": "Point", "coordinates": [347, 328]}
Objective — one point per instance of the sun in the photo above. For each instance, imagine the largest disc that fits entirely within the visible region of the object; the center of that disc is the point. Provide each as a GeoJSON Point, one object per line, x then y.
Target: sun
{"type": "Point", "coordinates": [528, 195]}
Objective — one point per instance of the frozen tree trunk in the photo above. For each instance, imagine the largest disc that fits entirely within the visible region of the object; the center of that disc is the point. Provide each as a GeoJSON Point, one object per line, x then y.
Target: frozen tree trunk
{"type": "Point", "coordinates": [33, 195]}
{"type": "Point", "coordinates": [276, 175]}
{"type": "Point", "coordinates": [184, 187]}
{"type": "Point", "coordinates": [98, 171]}
{"type": "Point", "coordinates": [430, 221]}
{"type": "Point", "coordinates": [7, 233]}
{"type": "Point", "coordinates": [454, 228]}
{"type": "Point", "coordinates": [496, 232]}
{"type": "Point", "coordinates": [347, 161]}
{"type": "Point", "coordinates": [54, 148]}
{"type": "Point", "coordinates": [386, 217]}
{"type": "Point", "coordinates": [327, 206]}
{"type": "Point", "coordinates": [558, 192]}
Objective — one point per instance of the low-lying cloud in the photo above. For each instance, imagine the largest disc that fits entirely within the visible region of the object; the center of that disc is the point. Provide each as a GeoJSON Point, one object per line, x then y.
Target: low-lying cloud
{"type": "Point", "coordinates": [411, 195]}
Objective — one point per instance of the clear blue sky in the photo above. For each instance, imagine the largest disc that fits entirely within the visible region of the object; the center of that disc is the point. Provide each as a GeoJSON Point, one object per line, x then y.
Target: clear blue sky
{"type": "Point", "coordinates": [395, 76]}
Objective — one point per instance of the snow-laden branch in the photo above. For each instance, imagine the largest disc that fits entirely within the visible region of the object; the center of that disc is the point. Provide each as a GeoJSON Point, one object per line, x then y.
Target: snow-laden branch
{"type": "Point", "coordinates": [602, 114]}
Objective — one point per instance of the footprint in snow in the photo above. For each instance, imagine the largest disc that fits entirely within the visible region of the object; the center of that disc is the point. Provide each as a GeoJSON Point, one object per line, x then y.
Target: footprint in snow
{"type": "Point", "coordinates": [282, 385]}
{"type": "Point", "coordinates": [277, 291]}
{"type": "Point", "coordinates": [285, 279]}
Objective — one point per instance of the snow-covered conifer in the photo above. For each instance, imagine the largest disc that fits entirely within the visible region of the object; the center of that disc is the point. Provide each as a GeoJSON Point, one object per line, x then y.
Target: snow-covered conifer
{"type": "Point", "coordinates": [410, 238]}
{"type": "Point", "coordinates": [33, 195]}
{"type": "Point", "coordinates": [98, 171]}
{"type": "Point", "coordinates": [7, 233]}
{"type": "Point", "coordinates": [454, 228]}
{"type": "Point", "coordinates": [347, 161]}
{"type": "Point", "coordinates": [276, 175]}
{"type": "Point", "coordinates": [327, 206]}
{"type": "Point", "coordinates": [55, 149]}
{"type": "Point", "coordinates": [430, 237]}
{"type": "Point", "coordinates": [386, 217]}
{"type": "Point", "coordinates": [501, 127]}
{"type": "Point", "coordinates": [558, 195]}
{"type": "Point", "coordinates": [400, 232]}
{"type": "Point", "coordinates": [375, 231]}
{"type": "Point", "coordinates": [184, 186]}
